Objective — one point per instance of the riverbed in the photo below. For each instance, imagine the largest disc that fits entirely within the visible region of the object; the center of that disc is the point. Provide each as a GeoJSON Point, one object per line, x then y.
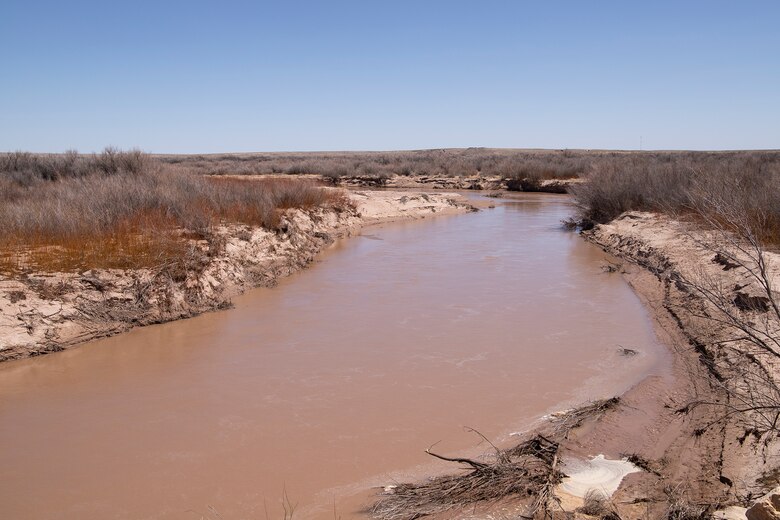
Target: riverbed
{"type": "Point", "coordinates": [331, 383]}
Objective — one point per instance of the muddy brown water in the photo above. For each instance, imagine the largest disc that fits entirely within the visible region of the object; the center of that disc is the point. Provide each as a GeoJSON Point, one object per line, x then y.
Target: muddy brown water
{"type": "Point", "coordinates": [331, 383]}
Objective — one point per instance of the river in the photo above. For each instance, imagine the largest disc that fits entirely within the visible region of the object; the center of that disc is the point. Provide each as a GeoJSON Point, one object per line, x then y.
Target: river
{"type": "Point", "coordinates": [330, 383]}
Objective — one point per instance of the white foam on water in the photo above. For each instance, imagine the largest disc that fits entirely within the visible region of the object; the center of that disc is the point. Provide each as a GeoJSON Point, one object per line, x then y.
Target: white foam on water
{"type": "Point", "coordinates": [599, 473]}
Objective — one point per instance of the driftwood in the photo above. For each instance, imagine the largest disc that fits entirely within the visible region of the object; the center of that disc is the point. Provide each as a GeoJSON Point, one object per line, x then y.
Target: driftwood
{"type": "Point", "coordinates": [527, 470]}
{"type": "Point", "coordinates": [473, 463]}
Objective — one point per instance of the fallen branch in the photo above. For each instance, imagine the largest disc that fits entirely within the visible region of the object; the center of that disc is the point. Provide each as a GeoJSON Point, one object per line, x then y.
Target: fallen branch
{"type": "Point", "coordinates": [473, 463]}
{"type": "Point", "coordinates": [527, 470]}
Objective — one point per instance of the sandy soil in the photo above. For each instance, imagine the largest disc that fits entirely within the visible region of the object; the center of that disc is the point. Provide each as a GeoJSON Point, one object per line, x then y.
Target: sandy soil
{"type": "Point", "coordinates": [461, 182]}
{"type": "Point", "coordinates": [425, 182]}
{"type": "Point", "coordinates": [692, 456]}
{"type": "Point", "coordinates": [46, 312]}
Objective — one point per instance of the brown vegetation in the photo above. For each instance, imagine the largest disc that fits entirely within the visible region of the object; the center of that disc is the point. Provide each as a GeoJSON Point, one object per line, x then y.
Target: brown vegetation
{"type": "Point", "coordinates": [379, 166]}
{"type": "Point", "coordinates": [744, 351]}
{"type": "Point", "coordinates": [597, 505]}
{"type": "Point", "coordinates": [735, 199]}
{"type": "Point", "coordinates": [619, 181]}
{"type": "Point", "coordinates": [744, 183]}
{"type": "Point", "coordinates": [126, 209]}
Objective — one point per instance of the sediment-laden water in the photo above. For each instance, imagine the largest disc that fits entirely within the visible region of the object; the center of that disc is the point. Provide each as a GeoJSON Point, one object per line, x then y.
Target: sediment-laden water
{"type": "Point", "coordinates": [330, 383]}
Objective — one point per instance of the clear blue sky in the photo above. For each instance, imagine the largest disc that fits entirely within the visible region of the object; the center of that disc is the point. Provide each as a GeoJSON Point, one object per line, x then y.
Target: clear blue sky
{"type": "Point", "coordinates": [209, 76]}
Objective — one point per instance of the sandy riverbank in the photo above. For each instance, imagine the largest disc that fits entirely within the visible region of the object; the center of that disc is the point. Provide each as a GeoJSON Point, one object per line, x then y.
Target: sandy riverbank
{"type": "Point", "coordinates": [46, 312]}
{"type": "Point", "coordinates": [476, 182]}
{"type": "Point", "coordinates": [460, 182]}
{"type": "Point", "coordinates": [697, 455]}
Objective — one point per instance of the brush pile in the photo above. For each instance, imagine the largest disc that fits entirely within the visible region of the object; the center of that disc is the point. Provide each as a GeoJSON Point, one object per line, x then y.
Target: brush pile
{"type": "Point", "coordinates": [528, 471]}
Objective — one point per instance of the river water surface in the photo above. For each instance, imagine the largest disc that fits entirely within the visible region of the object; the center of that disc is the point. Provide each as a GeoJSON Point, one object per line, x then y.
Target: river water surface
{"type": "Point", "coordinates": [331, 383]}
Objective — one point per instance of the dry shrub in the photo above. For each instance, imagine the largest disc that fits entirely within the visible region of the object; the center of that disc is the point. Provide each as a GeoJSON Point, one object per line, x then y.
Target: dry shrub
{"type": "Point", "coordinates": [680, 183]}
{"type": "Point", "coordinates": [618, 181]}
{"type": "Point", "coordinates": [680, 507]}
{"type": "Point", "coordinates": [25, 168]}
{"type": "Point", "coordinates": [379, 166]}
{"type": "Point", "coordinates": [124, 210]}
{"type": "Point", "coordinates": [595, 504]}
{"type": "Point", "coordinates": [50, 290]}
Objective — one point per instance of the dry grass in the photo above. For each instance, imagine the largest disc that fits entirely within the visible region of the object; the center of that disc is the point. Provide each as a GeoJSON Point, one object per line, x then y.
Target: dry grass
{"type": "Point", "coordinates": [595, 503]}
{"type": "Point", "coordinates": [680, 507]}
{"type": "Point", "coordinates": [745, 183]}
{"type": "Point", "coordinates": [83, 210]}
{"type": "Point", "coordinates": [126, 210]}
{"type": "Point", "coordinates": [377, 167]}
{"type": "Point", "coordinates": [618, 181]}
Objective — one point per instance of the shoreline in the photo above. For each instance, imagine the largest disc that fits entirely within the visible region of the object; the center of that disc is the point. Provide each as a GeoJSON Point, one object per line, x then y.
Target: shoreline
{"type": "Point", "coordinates": [706, 462]}
{"type": "Point", "coordinates": [49, 312]}
{"type": "Point", "coordinates": [646, 424]}
{"type": "Point", "coordinates": [476, 182]}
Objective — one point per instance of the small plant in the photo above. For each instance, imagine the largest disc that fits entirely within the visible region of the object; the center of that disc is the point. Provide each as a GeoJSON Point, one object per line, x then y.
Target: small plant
{"type": "Point", "coordinates": [16, 296]}
{"type": "Point", "coordinates": [679, 507]}
{"type": "Point", "coordinates": [597, 504]}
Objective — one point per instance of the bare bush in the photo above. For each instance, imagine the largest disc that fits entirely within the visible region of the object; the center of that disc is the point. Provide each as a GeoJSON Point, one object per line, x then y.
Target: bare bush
{"type": "Point", "coordinates": [744, 320]}
{"type": "Point", "coordinates": [124, 209]}
{"type": "Point", "coordinates": [508, 164]}
{"type": "Point", "coordinates": [680, 507]}
{"type": "Point", "coordinates": [732, 200]}
{"type": "Point", "coordinates": [595, 503]}
{"type": "Point", "coordinates": [674, 182]}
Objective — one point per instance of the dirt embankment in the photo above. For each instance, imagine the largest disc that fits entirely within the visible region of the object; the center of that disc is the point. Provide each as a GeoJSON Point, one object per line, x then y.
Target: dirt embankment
{"type": "Point", "coordinates": [432, 182]}
{"type": "Point", "coordinates": [691, 428]}
{"type": "Point", "coordinates": [46, 312]}
{"type": "Point", "coordinates": [460, 182]}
